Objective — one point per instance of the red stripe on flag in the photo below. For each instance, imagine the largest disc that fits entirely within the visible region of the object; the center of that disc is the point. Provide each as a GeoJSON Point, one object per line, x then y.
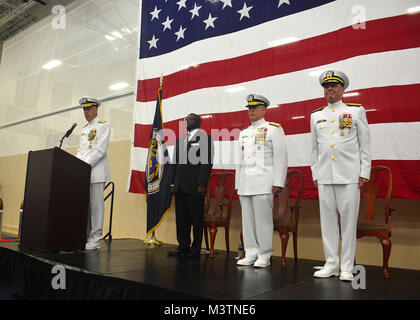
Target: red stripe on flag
{"type": "Point", "coordinates": [137, 182]}
{"type": "Point", "coordinates": [403, 171]}
{"type": "Point", "coordinates": [385, 99]}
{"type": "Point", "coordinates": [340, 45]}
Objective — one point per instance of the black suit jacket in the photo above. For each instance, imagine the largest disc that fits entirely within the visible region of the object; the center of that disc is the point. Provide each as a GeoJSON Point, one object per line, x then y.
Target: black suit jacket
{"type": "Point", "coordinates": [192, 162]}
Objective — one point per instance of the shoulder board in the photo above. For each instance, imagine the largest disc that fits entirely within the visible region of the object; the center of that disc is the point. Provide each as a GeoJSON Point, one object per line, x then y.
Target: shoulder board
{"type": "Point", "coordinates": [319, 109]}
{"type": "Point", "coordinates": [275, 124]}
{"type": "Point", "coordinates": [102, 121]}
{"type": "Point", "coordinates": [354, 104]}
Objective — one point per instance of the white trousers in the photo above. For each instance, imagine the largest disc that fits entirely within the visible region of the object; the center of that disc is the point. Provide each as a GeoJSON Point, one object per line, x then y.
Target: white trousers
{"type": "Point", "coordinates": [96, 213]}
{"type": "Point", "coordinates": [257, 225]}
{"type": "Point", "coordinates": [339, 201]}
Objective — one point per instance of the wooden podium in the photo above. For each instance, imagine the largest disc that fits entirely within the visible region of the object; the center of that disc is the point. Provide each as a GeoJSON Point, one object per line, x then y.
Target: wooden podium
{"type": "Point", "coordinates": [56, 201]}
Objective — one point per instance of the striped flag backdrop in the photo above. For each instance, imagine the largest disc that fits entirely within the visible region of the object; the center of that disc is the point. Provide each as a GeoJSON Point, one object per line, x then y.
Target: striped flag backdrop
{"type": "Point", "coordinates": [213, 53]}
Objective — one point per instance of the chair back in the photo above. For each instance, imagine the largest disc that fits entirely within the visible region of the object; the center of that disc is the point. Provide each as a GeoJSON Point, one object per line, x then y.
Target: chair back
{"type": "Point", "coordinates": [292, 188]}
{"type": "Point", "coordinates": [374, 188]}
{"type": "Point", "coordinates": [219, 195]}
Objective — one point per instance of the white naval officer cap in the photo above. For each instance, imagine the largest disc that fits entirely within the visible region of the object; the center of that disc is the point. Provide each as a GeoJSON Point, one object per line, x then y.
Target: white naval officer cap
{"type": "Point", "coordinates": [334, 76]}
{"type": "Point", "coordinates": [256, 100]}
{"type": "Point", "coordinates": [87, 102]}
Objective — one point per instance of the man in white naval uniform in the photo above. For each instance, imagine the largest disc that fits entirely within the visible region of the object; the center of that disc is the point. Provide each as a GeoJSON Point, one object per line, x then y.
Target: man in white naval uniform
{"type": "Point", "coordinates": [340, 166]}
{"type": "Point", "coordinates": [261, 172]}
{"type": "Point", "coordinates": [93, 148]}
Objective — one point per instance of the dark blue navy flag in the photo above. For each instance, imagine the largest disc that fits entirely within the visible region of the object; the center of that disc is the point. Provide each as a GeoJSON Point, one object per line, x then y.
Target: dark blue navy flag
{"type": "Point", "coordinates": [157, 175]}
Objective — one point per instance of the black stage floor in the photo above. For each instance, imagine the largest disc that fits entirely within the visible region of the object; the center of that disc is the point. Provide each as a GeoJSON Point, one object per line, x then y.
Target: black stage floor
{"type": "Point", "coordinates": [126, 269]}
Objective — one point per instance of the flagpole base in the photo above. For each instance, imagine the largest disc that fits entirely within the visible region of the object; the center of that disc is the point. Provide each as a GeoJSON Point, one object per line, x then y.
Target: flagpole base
{"type": "Point", "coordinates": [152, 242]}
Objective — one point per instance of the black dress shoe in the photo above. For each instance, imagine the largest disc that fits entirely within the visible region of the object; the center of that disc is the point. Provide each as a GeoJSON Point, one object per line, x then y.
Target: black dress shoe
{"type": "Point", "coordinates": [193, 254]}
{"type": "Point", "coordinates": [178, 252]}
{"type": "Point", "coordinates": [175, 253]}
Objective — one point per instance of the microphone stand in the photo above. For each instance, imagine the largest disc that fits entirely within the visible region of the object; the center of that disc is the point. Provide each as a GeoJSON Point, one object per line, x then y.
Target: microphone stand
{"type": "Point", "coordinates": [61, 141]}
{"type": "Point", "coordinates": [68, 133]}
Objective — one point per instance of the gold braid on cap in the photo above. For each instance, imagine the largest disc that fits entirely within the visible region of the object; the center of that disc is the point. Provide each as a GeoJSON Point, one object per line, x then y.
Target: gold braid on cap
{"type": "Point", "coordinates": [91, 104]}
{"type": "Point", "coordinates": [256, 103]}
{"type": "Point", "coordinates": [335, 79]}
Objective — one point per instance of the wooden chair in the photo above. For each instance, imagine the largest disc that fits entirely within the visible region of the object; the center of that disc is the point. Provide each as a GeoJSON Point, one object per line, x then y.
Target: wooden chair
{"type": "Point", "coordinates": [368, 226]}
{"type": "Point", "coordinates": [285, 221]}
{"type": "Point", "coordinates": [218, 209]}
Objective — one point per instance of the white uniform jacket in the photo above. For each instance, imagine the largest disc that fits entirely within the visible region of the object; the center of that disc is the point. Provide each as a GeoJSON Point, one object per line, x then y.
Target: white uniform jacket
{"type": "Point", "coordinates": [340, 144]}
{"type": "Point", "coordinates": [262, 155]}
{"type": "Point", "coordinates": [94, 141]}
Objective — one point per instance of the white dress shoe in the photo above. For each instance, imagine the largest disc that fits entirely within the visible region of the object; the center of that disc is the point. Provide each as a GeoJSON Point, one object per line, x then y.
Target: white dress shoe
{"type": "Point", "coordinates": [326, 273]}
{"type": "Point", "coordinates": [260, 263]}
{"type": "Point", "coordinates": [92, 246]}
{"type": "Point", "coordinates": [246, 261]}
{"type": "Point", "coordinates": [346, 276]}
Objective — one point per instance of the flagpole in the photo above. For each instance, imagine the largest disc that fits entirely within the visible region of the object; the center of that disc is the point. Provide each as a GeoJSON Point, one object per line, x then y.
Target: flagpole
{"type": "Point", "coordinates": [153, 241]}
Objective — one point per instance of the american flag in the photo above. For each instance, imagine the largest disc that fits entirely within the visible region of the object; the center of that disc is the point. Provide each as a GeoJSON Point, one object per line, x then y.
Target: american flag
{"type": "Point", "coordinates": [212, 53]}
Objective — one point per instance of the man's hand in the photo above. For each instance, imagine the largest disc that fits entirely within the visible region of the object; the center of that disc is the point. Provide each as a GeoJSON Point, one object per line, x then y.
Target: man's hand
{"type": "Point", "coordinates": [277, 189]}
{"type": "Point", "coordinates": [201, 190]}
{"type": "Point", "coordinates": [316, 183]}
{"type": "Point", "coordinates": [362, 182]}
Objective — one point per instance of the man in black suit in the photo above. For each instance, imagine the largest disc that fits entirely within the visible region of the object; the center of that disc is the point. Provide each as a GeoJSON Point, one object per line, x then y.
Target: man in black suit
{"type": "Point", "coordinates": [191, 168]}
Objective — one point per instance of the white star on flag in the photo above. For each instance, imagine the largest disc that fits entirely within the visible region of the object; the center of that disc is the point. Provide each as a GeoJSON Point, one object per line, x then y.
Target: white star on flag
{"type": "Point", "coordinates": [155, 13]}
{"type": "Point", "coordinates": [283, 1]}
{"type": "Point", "coordinates": [244, 11]}
{"type": "Point", "coordinates": [181, 4]}
{"type": "Point", "coordinates": [167, 24]}
{"type": "Point", "coordinates": [153, 42]}
{"type": "Point", "coordinates": [180, 33]}
{"type": "Point", "coordinates": [210, 21]}
{"type": "Point", "coordinates": [226, 3]}
{"type": "Point", "coordinates": [194, 11]}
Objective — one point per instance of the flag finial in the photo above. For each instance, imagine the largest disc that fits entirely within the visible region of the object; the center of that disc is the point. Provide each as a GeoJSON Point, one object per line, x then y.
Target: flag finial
{"type": "Point", "coordinates": [161, 79]}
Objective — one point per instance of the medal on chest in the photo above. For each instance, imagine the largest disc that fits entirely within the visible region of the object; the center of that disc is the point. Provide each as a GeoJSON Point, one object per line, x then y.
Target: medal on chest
{"type": "Point", "coordinates": [345, 121]}
{"type": "Point", "coordinates": [261, 135]}
{"type": "Point", "coordinates": [92, 135]}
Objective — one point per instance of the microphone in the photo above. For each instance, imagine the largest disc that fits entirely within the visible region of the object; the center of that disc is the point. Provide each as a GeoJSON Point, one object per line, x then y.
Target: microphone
{"type": "Point", "coordinates": [68, 133]}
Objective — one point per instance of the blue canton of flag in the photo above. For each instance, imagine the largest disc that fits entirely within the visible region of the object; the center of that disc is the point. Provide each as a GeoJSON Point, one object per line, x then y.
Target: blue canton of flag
{"type": "Point", "coordinates": [168, 25]}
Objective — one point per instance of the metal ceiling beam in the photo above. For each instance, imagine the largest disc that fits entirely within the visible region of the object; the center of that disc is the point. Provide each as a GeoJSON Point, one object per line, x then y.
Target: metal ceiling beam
{"type": "Point", "coordinates": [66, 109]}
{"type": "Point", "coordinates": [7, 4]}
{"type": "Point", "coordinates": [16, 12]}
